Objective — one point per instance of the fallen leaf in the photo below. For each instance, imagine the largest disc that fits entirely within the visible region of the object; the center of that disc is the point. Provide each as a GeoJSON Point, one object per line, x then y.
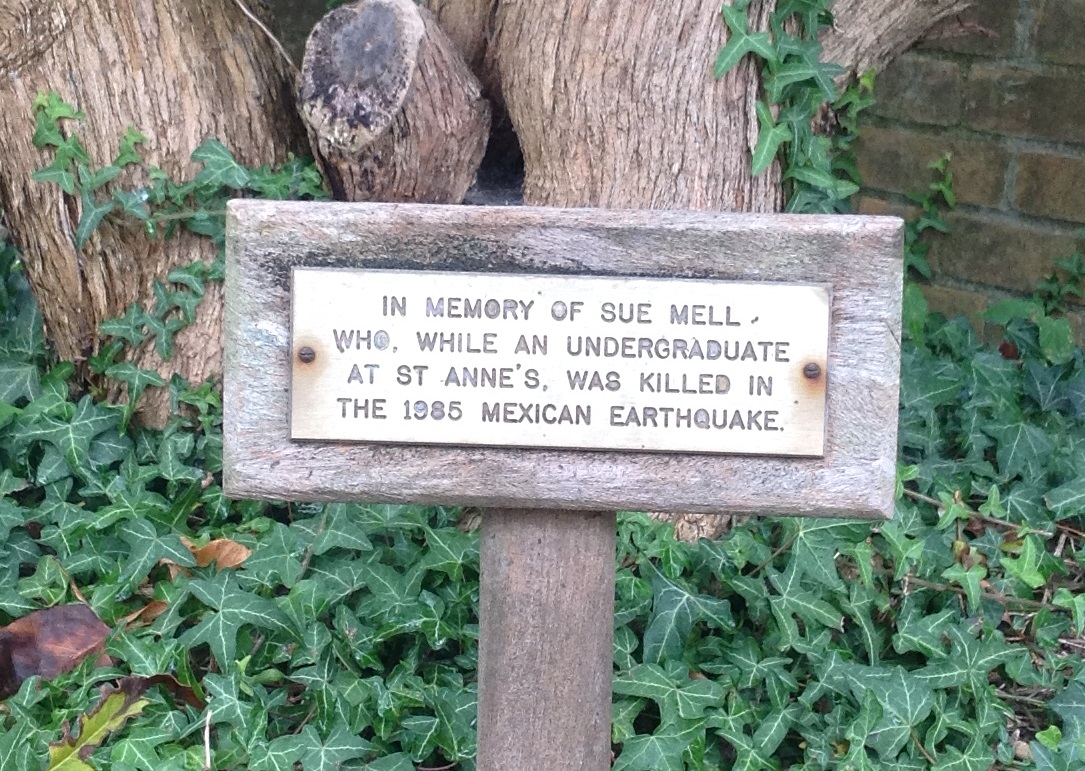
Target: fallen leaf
{"type": "Point", "coordinates": [222, 551]}
{"type": "Point", "coordinates": [113, 711]}
{"type": "Point", "coordinates": [147, 614]}
{"type": "Point", "coordinates": [48, 643]}
{"type": "Point", "coordinates": [177, 689]}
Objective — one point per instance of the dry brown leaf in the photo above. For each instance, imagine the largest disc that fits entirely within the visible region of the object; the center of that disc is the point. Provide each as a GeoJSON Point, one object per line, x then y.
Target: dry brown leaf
{"type": "Point", "coordinates": [147, 614]}
{"type": "Point", "coordinates": [222, 551]}
{"type": "Point", "coordinates": [48, 643]}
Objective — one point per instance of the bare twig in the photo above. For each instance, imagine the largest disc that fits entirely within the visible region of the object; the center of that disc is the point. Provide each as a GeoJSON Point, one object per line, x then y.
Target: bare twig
{"type": "Point", "coordinates": [207, 742]}
{"type": "Point", "coordinates": [274, 40]}
{"type": "Point", "coordinates": [1002, 599]}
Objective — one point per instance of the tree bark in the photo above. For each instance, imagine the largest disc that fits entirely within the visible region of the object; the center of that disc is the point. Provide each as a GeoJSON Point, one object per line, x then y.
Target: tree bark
{"type": "Point", "coordinates": [868, 34]}
{"type": "Point", "coordinates": [616, 104]}
{"type": "Point", "coordinates": [393, 110]}
{"type": "Point", "coordinates": [466, 22]}
{"type": "Point", "coordinates": [179, 72]}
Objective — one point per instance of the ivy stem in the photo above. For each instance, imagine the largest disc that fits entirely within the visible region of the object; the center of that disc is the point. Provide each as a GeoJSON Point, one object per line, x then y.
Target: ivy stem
{"type": "Point", "coordinates": [1001, 599]}
{"type": "Point", "coordinates": [982, 517]}
{"type": "Point", "coordinates": [782, 548]}
{"type": "Point", "coordinates": [923, 750]}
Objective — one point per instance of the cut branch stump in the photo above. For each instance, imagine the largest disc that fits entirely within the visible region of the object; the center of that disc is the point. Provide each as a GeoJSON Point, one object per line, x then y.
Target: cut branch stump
{"type": "Point", "coordinates": [393, 111]}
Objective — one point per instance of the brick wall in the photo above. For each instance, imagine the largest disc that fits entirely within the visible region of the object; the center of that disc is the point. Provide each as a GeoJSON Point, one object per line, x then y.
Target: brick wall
{"type": "Point", "coordinates": [1002, 88]}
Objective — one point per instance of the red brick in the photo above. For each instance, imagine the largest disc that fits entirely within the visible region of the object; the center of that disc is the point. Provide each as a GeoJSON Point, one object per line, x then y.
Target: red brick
{"type": "Point", "coordinates": [988, 28]}
{"type": "Point", "coordinates": [920, 89]}
{"type": "Point", "coordinates": [952, 303]}
{"type": "Point", "coordinates": [1059, 31]}
{"type": "Point", "coordinates": [1051, 186]}
{"type": "Point", "coordinates": [996, 252]}
{"type": "Point", "coordinates": [1006, 100]}
{"type": "Point", "coordinates": [897, 160]}
{"type": "Point", "coordinates": [868, 204]}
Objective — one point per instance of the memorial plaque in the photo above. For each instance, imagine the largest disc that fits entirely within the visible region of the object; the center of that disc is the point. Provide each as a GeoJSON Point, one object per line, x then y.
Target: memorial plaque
{"type": "Point", "coordinates": [575, 362]}
{"type": "Point", "coordinates": [332, 395]}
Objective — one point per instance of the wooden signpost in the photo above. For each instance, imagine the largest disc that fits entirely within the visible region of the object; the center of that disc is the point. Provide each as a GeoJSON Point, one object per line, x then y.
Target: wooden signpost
{"type": "Point", "coordinates": [555, 366]}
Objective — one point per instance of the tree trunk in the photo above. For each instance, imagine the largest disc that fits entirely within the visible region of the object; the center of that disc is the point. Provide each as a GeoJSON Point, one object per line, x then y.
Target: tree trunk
{"type": "Point", "coordinates": [616, 104]}
{"type": "Point", "coordinates": [180, 72]}
{"type": "Point", "coordinates": [868, 34]}
{"type": "Point", "coordinates": [466, 22]}
{"type": "Point", "coordinates": [393, 110]}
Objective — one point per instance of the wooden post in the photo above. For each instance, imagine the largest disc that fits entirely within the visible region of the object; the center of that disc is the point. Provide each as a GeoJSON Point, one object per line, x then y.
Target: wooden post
{"type": "Point", "coordinates": [547, 640]}
{"type": "Point", "coordinates": [351, 361]}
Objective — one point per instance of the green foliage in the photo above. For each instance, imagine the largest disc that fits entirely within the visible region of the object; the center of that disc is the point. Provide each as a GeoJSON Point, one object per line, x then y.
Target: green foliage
{"type": "Point", "coordinates": [160, 204]}
{"type": "Point", "coordinates": [803, 112]}
{"type": "Point", "coordinates": [945, 639]}
{"type": "Point", "coordinates": [932, 202]}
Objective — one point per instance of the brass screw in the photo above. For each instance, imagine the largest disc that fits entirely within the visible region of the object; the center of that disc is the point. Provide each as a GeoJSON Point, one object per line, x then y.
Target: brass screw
{"type": "Point", "coordinates": [812, 371]}
{"type": "Point", "coordinates": [306, 354]}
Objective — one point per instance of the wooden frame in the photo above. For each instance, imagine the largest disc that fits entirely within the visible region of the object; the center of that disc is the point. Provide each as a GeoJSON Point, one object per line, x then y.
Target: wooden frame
{"type": "Point", "coordinates": [861, 257]}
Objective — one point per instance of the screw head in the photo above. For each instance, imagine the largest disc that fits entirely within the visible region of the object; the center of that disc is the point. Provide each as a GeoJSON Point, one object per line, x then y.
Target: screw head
{"type": "Point", "coordinates": [812, 371]}
{"type": "Point", "coordinates": [306, 354]}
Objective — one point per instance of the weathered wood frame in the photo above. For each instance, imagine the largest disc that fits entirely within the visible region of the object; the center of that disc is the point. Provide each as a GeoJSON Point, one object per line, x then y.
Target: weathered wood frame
{"type": "Point", "coordinates": [861, 257]}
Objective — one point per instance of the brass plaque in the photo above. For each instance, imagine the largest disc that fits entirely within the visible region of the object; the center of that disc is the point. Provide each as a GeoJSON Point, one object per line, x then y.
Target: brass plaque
{"type": "Point", "coordinates": [576, 362]}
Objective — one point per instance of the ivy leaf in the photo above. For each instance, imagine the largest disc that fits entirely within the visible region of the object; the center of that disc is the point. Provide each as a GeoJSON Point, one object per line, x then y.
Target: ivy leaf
{"type": "Point", "coordinates": [1023, 449]}
{"type": "Point", "coordinates": [968, 579]}
{"type": "Point", "coordinates": [316, 754]}
{"type": "Point", "coordinates": [116, 708]}
{"type": "Point", "coordinates": [275, 557]}
{"type": "Point", "coordinates": [671, 688]}
{"type": "Point", "coordinates": [1067, 500]}
{"type": "Point", "coordinates": [750, 756]}
{"type": "Point", "coordinates": [133, 203]}
{"type": "Point", "coordinates": [129, 327]}
{"type": "Point", "coordinates": [448, 550]}
{"type": "Point", "coordinates": [58, 174]}
{"type": "Point", "coordinates": [92, 180]}
{"type": "Point", "coordinates": [1026, 566]}
{"type": "Point", "coordinates": [922, 633]}
{"type": "Point", "coordinates": [774, 727]}
{"type": "Point", "coordinates": [73, 437]}
{"type": "Point", "coordinates": [127, 154]}
{"type": "Point", "coordinates": [22, 746]}
{"type": "Point", "coordinates": [674, 612]}
{"type": "Point", "coordinates": [234, 608]}
{"type": "Point", "coordinates": [339, 528]}
{"type": "Point", "coordinates": [18, 381]}
{"type": "Point", "coordinates": [1042, 384]}
{"type": "Point", "coordinates": [906, 702]}
{"type": "Point", "coordinates": [148, 549]}
{"type": "Point", "coordinates": [1075, 603]}
{"type": "Point", "coordinates": [740, 42]}
{"type": "Point", "coordinates": [769, 139]}
{"type": "Point", "coordinates": [794, 600]}
{"type": "Point", "coordinates": [975, 757]}
{"type": "Point", "coordinates": [138, 379]}
{"type": "Point", "coordinates": [1070, 706]}
{"type": "Point", "coordinates": [1056, 339]}
{"type": "Point", "coordinates": [661, 751]}
{"type": "Point", "coordinates": [970, 660]}
{"type": "Point", "coordinates": [220, 169]}
{"type": "Point", "coordinates": [815, 544]}
{"type": "Point", "coordinates": [93, 212]}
